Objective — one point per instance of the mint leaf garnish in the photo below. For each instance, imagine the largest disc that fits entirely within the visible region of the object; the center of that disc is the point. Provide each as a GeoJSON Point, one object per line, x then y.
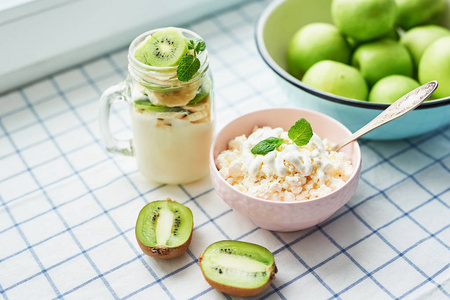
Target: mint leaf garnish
{"type": "Point", "coordinates": [191, 44]}
{"type": "Point", "coordinates": [301, 132]}
{"type": "Point", "coordinates": [267, 145]}
{"type": "Point", "coordinates": [187, 68]}
{"type": "Point", "coordinates": [190, 64]}
{"type": "Point", "coordinates": [200, 46]}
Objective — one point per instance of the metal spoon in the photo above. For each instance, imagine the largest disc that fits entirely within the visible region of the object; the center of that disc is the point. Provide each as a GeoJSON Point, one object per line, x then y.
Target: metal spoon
{"type": "Point", "coordinates": [397, 109]}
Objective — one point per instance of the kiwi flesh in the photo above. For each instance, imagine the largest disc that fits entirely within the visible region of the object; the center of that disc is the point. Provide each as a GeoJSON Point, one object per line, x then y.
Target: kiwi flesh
{"type": "Point", "coordinates": [164, 48]}
{"type": "Point", "coordinates": [202, 92]}
{"type": "Point", "coordinates": [147, 105]}
{"type": "Point", "coordinates": [164, 229]}
{"type": "Point", "coordinates": [238, 268]}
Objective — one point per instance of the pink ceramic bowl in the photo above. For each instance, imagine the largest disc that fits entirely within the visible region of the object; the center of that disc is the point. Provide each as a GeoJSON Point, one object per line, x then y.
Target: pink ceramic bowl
{"type": "Point", "coordinates": [285, 216]}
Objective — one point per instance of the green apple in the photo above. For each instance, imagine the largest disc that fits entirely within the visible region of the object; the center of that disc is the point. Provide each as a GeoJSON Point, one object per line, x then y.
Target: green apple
{"type": "Point", "coordinates": [392, 34]}
{"type": "Point", "coordinates": [336, 78]}
{"type": "Point", "coordinates": [363, 20]}
{"type": "Point", "coordinates": [315, 42]}
{"type": "Point", "coordinates": [411, 13]}
{"type": "Point", "coordinates": [389, 89]}
{"type": "Point", "coordinates": [417, 39]}
{"type": "Point", "coordinates": [435, 65]}
{"type": "Point", "coordinates": [352, 42]}
{"type": "Point", "coordinates": [382, 58]}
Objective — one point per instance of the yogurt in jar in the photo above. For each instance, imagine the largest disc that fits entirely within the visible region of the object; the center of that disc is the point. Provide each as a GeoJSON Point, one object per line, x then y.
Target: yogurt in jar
{"type": "Point", "coordinates": [172, 147]}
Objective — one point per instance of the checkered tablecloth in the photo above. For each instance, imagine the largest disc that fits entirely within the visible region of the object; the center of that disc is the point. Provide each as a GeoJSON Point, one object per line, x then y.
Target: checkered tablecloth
{"type": "Point", "coordinates": [68, 208]}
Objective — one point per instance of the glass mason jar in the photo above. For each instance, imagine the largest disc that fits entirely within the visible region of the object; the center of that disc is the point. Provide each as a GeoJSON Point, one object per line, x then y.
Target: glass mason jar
{"type": "Point", "coordinates": [172, 121]}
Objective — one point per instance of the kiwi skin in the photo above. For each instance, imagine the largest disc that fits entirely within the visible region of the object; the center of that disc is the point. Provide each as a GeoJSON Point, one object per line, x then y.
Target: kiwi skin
{"type": "Point", "coordinates": [166, 252]}
{"type": "Point", "coordinates": [236, 291]}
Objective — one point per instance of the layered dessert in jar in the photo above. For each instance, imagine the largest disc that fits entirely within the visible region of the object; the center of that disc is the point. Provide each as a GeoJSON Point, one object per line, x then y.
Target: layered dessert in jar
{"type": "Point", "coordinates": [170, 92]}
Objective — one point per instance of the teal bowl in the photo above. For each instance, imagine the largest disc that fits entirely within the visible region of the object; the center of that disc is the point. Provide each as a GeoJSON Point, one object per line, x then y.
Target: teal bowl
{"type": "Point", "coordinates": [276, 26]}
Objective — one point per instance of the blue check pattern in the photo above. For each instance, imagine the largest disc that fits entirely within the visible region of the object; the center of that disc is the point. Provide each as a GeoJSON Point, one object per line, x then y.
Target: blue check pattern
{"type": "Point", "coordinates": [68, 208]}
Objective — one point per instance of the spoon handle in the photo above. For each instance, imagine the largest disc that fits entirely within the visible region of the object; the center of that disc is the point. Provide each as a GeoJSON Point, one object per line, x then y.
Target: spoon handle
{"type": "Point", "coordinates": [397, 109]}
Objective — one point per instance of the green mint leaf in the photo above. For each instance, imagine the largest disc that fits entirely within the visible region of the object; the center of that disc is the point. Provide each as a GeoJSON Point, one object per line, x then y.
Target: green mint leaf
{"type": "Point", "coordinates": [267, 145]}
{"type": "Point", "coordinates": [191, 44]}
{"type": "Point", "coordinates": [199, 45]}
{"type": "Point", "coordinates": [187, 68]}
{"type": "Point", "coordinates": [301, 132]}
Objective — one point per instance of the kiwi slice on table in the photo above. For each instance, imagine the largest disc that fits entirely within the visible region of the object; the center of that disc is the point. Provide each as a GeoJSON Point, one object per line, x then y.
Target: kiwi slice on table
{"type": "Point", "coordinates": [164, 228]}
{"type": "Point", "coordinates": [238, 268]}
{"type": "Point", "coordinates": [147, 105]}
{"type": "Point", "coordinates": [202, 92]}
{"type": "Point", "coordinates": [164, 48]}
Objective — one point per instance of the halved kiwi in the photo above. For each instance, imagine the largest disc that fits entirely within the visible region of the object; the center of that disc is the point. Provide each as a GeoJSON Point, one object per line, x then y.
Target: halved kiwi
{"type": "Point", "coordinates": [202, 92]}
{"type": "Point", "coordinates": [164, 48]}
{"type": "Point", "coordinates": [164, 228]}
{"type": "Point", "coordinates": [238, 268]}
{"type": "Point", "coordinates": [147, 105]}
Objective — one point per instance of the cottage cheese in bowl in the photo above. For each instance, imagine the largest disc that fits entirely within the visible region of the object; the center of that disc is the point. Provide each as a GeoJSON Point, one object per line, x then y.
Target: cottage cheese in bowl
{"type": "Point", "coordinates": [282, 172]}
{"type": "Point", "coordinates": [289, 173]}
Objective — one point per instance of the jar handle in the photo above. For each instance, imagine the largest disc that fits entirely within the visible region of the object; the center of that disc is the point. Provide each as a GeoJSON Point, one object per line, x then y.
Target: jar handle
{"type": "Point", "coordinates": [113, 145]}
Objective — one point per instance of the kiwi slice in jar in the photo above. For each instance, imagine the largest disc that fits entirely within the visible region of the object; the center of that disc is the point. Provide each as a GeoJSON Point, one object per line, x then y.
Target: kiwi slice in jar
{"type": "Point", "coordinates": [147, 105]}
{"type": "Point", "coordinates": [164, 48]}
{"type": "Point", "coordinates": [238, 268]}
{"type": "Point", "coordinates": [202, 92]}
{"type": "Point", "coordinates": [164, 229]}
